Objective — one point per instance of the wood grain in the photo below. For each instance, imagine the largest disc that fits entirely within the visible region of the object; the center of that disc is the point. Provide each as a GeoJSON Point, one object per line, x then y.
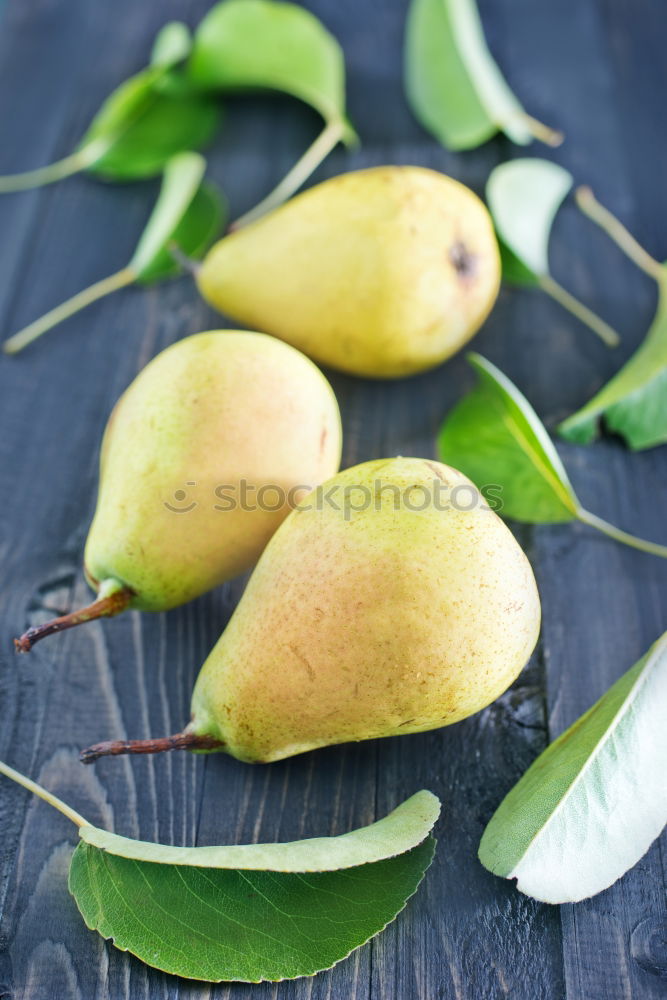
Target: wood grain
{"type": "Point", "coordinates": [591, 67]}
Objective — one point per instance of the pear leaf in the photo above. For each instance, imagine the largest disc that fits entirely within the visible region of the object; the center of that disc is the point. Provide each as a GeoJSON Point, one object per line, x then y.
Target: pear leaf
{"type": "Point", "coordinates": [266, 44]}
{"type": "Point", "coordinates": [496, 439]}
{"type": "Point", "coordinates": [250, 912]}
{"type": "Point", "coordinates": [186, 213]}
{"type": "Point", "coordinates": [524, 196]}
{"type": "Point", "coordinates": [398, 832]}
{"type": "Point", "coordinates": [172, 45]}
{"type": "Point", "coordinates": [591, 805]}
{"type": "Point", "coordinates": [143, 124]}
{"type": "Point", "coordinates": [244, 926]}
{"type": "Point", "coordinates": [453, 84]}
{"type": "Point", "coordinates": [633, 402]}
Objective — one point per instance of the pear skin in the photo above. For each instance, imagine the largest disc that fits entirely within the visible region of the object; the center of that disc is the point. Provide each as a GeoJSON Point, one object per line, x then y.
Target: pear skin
{"type": "Point", "coordinates": [197, 464]}
{"type": "Point", "coordinates": [408, 608]}
{"type": "Point", "coordinates": [381, 272]}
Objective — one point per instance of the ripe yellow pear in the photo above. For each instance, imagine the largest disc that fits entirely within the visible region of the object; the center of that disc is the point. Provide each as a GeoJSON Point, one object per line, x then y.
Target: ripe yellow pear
{"type": "Point", "coordinates": [380, 272]}
{"type": "Point", "coordinates": [393, 600]}
{"type": "Point", "coordinates": [204, 455]}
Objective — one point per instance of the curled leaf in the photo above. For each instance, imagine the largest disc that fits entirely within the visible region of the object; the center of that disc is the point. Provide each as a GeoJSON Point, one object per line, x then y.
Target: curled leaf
{"type": "Point", "coordinates": [398, 832]}
{"type": "Point", "coordinates": [524, 196]}
{"type": "Point", "coordinates": [140, 126]}
{"type": "Point", "coordinates": [143, 124]}
{"type": "Point", "coordinates": [633, 403]}
{"type": "Point", "coordinates": [251, 912]}
{"type": "Point", "coordinates": [591, 805]}
{"type": "Point", "coordinates": [273, 45]}
{"type": "Point", "coordinates": [253, 44]}
{"type": "Point", "coordinates": [454, 85]}
{"type": "Point", "coordinates": [495, 437]}
{"type": "Point", "coordinates": [187, 213]}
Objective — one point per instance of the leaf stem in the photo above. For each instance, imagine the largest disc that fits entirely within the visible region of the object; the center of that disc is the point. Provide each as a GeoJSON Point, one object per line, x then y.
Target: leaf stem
{"type": "Point", "coordinates": [114, 599]}
{"type": "Point", "coordinates": [621, 536]}
{"type": "Point", "coordinates": [614, 228]}
{"type": "Point", "coordinates": [544, 133]}
{"type": "Point", "coordinates": [42, 793]}
{"type": "Point", "coordinates": [187, 740]}
{"type": "Point", "coordinates": [578, 309]}
{"type": "Point", "coordinates": [66, 309]}
{"type": "Point", "coordinates": [72, 164]}
{"type": "Point", "coordinates": [328, 138]}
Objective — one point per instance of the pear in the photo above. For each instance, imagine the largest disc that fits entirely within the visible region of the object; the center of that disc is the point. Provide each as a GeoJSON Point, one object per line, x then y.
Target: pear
{"type": "Point", "coordinates": [203, 457]}
{"type": "Point", "coordinates": [380, 272]}
{"type": "Point", "coordinates": [392, 600]}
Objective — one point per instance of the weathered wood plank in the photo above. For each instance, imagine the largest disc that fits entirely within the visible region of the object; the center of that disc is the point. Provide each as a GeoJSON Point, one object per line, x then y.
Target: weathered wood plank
{"type": "Point", "coordinates": [466, 934]}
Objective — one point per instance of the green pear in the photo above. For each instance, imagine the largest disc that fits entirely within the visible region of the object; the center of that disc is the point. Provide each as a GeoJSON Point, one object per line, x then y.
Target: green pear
{"type": "Point", "coordinates": [203, 457]}
{"type": "Point", "coordinates": [380, 272]}
{"type": "Point", "coordinates": [392, 600]}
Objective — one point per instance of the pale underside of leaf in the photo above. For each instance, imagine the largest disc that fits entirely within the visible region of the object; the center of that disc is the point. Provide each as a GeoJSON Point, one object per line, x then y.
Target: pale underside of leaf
{"type": "Point", "coordinates": [591, 805]}
{"type": "Point", "coordinates": [400, 831]}
{"type": "Point", "coordinates": [453, 83]}
{"type": "Point", "coordinates": [182, 177]}
{"type": "Point", "coordinates": [634, 402]}
{"type": "Point", "coordinates": [438, 86]}
{"type": "Point", "coordinates": [247, 926]}
{"type": "Point", "coordinates": [524, 196]}
{"type": "Point", "coordinates": [495, 437]}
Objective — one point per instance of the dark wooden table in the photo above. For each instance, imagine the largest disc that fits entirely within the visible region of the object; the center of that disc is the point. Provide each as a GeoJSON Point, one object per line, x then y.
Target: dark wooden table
{"type": "Point", "coordinates": [595, 68]}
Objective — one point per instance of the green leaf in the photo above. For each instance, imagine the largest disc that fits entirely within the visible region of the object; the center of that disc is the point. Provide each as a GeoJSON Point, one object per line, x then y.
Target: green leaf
{"type": "Point", "coordinates": [185, 213]}
{"type": "Point", "coordinates": [523, 197]}
{"type": "Point", "coordinates": [264, 44]}
{"type": "Point", "coordinates": [496, 439]}
{"type": "Point", "coordinates": [633, 403]}
{"type": "Point", "coordinates": [247, 926]}
{"type": "Point", "coordinates": [454, 85]}
{"type": "Point", "coordinates": [143, 124]}
{"type": "Point", "coordinates": [591, 805]}
{"type": "Point", "coordinates": [514, 271]}
{"type": "Point", "coordinates": [251, 912]}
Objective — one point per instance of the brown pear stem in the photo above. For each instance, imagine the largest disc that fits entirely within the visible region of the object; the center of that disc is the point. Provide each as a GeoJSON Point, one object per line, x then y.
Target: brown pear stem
{"type": "Point", "coordinates": [179, 741]}
{"type": "Point", "coordinates": [105, 607]}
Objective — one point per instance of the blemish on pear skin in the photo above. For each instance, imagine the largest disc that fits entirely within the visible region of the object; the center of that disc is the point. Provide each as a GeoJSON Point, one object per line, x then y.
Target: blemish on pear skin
{"type": "Point", "coordinates": [302, 659]}
{"type": "Point", "coordinates": [463, 261]}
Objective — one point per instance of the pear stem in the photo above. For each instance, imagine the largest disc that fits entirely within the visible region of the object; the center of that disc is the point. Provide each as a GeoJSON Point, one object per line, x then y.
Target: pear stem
{"type": "Point", "coordinates": [66, 309]}
{"type": "Point", "coordinates": [72, 164]}
{"type": "Point", "coordinates": [549, 136]}
{"type": "Point", "coordinates": [105, 607]}
{"type": "Point", "coordinates": [621, 536]}
{"type": "Point", "coordinates": [42, 793]}
{"type": "Point", "coordinates": [578, 309]}
{"type": "Point", "coordinates": [186, 740]}
{"type": "Point", "coordinates": [614, 228]}
{"type": "Point", "coordinates": [329, 137]}
{"type": "Point", "coordinates": [189, 264]}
